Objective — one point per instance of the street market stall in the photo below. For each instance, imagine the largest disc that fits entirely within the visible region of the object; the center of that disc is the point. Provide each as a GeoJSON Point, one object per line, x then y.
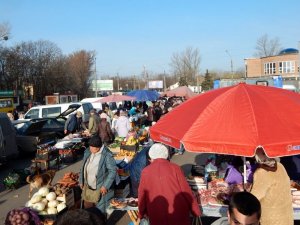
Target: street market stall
{"type": "Point", "coordinates": [235, 120]}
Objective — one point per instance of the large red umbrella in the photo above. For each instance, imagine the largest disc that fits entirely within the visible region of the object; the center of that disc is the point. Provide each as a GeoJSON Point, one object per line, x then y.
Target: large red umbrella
{"type": "Point", "coordinates": [182, 91]}
{"type": "Point", "coordinates": [235, 120]}
{"type": "Point", "coordinates": [116, 98]}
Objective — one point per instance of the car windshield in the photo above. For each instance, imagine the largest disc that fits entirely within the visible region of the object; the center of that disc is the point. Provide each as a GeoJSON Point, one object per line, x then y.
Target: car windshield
{"type": "Point", "coordinates": [22, 127]}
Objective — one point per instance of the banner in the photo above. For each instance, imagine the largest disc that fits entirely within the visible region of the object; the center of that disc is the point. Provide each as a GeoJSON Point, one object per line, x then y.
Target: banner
{"type": "Point", "coordinates": [103, 85]}
{"type": "Point", "coordinates": [155, 84]}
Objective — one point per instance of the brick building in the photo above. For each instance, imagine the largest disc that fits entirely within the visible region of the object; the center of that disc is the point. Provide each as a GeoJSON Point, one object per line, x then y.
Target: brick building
{"type": "Point", "coordinates": [285, 64]}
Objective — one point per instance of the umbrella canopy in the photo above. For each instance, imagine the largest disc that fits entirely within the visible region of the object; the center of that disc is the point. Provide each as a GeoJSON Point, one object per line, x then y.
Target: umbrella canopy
{"type": "Point", "coordinates": [116, 98]}
{"type": "Point", "coordinates": [182, 91]}
{"type": "Point", "coordinates": [235, 120]}
{"type": "Point", "coordinates": [144, 95]}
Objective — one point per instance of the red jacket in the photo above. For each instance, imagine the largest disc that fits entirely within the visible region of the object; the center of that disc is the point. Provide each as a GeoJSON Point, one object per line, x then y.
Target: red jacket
{"type": "Point", "coordinates": [165, 196]}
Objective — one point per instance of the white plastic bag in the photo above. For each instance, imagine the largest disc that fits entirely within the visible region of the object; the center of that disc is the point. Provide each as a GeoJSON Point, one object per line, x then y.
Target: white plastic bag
{"type": "Point", "coordinates": [144, 222]}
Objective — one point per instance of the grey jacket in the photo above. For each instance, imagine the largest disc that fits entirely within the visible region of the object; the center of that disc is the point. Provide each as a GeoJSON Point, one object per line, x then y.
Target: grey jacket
{"type": "Point", "coordinates": [106, 175]}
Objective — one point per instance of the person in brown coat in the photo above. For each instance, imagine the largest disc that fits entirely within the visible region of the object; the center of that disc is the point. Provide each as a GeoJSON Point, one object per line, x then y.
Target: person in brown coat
{"type": "Point", "coordinates": [104, 130]}
{"type": "Point", "coordinates": [271, 186]}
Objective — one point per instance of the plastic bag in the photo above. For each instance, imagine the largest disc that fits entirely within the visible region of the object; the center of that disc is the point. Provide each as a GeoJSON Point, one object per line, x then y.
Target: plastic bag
{"type": "Point", "coordinates": [144, 221]}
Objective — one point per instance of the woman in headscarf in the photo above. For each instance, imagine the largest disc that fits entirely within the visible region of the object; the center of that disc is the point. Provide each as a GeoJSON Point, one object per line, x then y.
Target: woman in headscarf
{"type": "Point", "coordinates": [271, 185]}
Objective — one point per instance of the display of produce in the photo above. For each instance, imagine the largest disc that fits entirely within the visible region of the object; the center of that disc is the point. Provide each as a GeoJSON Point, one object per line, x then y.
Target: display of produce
{"type": "Point", "coordinates": [124, 153]}
{"type": "Point", "coordinates": [123, 202]}
{"type": "Point", "coordinates": [69, 179]}
{"type": "Point", "coordinates": [24, 216]}
{"type": "Point", "coordinates": [46, 202]}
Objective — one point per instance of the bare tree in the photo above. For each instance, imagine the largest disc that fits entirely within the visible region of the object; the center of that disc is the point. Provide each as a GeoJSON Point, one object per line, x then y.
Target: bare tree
{"type": "Point", "coordinates": [4, 31]}
{"type": "Point", "coordinates": [80, 71]}
{"type": "Point", "coordinates": [186, 64]}
{"type": "Point", "coordinates": [267, 47]}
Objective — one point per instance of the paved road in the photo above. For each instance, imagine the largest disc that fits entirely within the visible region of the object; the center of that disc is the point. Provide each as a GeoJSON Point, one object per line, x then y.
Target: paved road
{"type": "Point", "coordinates": [10, 199]}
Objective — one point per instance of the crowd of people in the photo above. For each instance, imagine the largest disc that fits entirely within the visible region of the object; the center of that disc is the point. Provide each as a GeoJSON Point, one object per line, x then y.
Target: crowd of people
{"type": "Point", "coordinates": [163, 192]}
{"type": "Point", "coordinates": [164, 196]}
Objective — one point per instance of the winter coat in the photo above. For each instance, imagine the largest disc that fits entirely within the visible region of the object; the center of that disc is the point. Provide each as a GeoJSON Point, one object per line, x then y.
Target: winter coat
{"type": "Point", "coordinates": [107, 172]}
{"type": "Point", "coordinates": [165, 196]}
{"type": "Point", "coordinates": [273, 191]}
{"type": "Point", "coordinates": [73, 124]}
{"type": "Point", "coordinates": [93, 124]}
{"type": "Point", "coordinates": [122, 126]}
{"type": "Point", "coordinates": [105, 132]}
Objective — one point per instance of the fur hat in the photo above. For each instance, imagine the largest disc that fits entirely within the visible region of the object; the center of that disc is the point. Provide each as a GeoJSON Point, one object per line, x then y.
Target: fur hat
{"type": "Point", "coordinates": [158, 151]}
{"type": "Point", "coordinates": [103, 116]}
{"type": "Point", "coordinates": [95, 141]}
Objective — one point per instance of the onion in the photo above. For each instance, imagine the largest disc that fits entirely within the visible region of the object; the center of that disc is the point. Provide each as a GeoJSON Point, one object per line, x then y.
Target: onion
{"type": "Point", "coordinates": [51, 196]}
{"type": "Point", "coordinates": [43, 191]}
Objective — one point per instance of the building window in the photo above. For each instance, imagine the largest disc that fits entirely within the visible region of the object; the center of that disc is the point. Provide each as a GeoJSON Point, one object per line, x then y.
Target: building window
{"type": "Point", "coordinates": [270, 68]}
{"type": "Point", "coordinates": [287, 67]}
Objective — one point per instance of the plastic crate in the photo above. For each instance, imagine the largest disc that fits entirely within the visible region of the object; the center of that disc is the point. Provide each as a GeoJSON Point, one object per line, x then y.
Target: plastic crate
{"type": "Point", "coordinates": [67, 155]}
{"type": "Point", "coordinates": [46, 154]}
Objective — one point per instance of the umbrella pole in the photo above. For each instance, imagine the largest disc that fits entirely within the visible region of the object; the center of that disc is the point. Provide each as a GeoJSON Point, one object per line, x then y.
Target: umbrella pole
{"type": "Point", "coordinates": [245, 172]}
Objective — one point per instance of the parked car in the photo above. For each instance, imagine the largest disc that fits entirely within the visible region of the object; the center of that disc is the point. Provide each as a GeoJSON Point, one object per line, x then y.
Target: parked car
{"type": "Point", "coordinates": [54, 110]}
{"type": "Point", "coordinates": [29, 135]}
{"type": "Point", "coordinates": [33, 132]}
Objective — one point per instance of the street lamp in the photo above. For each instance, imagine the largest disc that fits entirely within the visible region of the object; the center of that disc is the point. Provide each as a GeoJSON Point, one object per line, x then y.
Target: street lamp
{"type": "Point", "coordinates": [231, 64]}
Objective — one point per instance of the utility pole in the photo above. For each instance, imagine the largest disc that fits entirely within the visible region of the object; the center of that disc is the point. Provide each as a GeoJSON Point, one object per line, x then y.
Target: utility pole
{"type": "Point", "coordinates": [96, 89]}
{"type": "Point", "coordinates": [133, 82]}
{"type": "Point", "coordinates": [165, 85]}
{"type": "Point", "coordinates": [231, 63]}
{"type": "Point", "coordinates": [118, 81]}
{"type": "Point", "coordinates": [146, 77]}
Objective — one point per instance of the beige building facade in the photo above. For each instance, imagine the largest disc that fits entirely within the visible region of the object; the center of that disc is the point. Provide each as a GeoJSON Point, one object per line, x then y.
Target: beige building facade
{"type": "Point", "coordinates": [285, 64]}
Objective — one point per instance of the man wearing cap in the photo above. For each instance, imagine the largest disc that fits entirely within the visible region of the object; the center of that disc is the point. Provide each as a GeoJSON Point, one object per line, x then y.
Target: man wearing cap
{"type": "Point", "coordinates": [165, 197]}
{"type": "Point", "coordinates": [73, 123]}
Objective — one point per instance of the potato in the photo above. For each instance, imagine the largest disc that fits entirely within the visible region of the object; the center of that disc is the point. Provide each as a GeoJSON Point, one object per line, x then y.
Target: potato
{"type": "Point", "coordinates": [25, 217]}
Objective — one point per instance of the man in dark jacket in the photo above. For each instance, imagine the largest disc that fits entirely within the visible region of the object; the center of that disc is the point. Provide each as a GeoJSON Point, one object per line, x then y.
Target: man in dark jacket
{"type": "Point", "coordinates": [73, 123]}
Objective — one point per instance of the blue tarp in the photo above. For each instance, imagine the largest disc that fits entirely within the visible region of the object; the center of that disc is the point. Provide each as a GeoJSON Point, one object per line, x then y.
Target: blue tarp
{"type": "Point", "coordinates": [144, 95]}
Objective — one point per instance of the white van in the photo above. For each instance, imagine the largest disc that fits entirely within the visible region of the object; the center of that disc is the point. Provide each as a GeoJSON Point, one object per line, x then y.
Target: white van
{"type": "Point", "coordinates": [99, 106]}
{"type": "Point", "coordinates": [43, 111]}
{"type": "Point", "coordinates": [96, 105]}
{"type": "Point", "coordinates": [8, 145]}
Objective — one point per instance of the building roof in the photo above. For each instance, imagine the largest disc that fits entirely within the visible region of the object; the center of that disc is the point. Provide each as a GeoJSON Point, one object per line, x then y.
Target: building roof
{"type": "Point", "coordinates": [288, 51]}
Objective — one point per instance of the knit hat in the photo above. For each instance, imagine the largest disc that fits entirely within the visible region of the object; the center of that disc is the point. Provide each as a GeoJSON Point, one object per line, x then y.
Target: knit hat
{"type": "Point", "coordinates": [103, 116]}
{"type": "Point", "coordinates": [158, 151]}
